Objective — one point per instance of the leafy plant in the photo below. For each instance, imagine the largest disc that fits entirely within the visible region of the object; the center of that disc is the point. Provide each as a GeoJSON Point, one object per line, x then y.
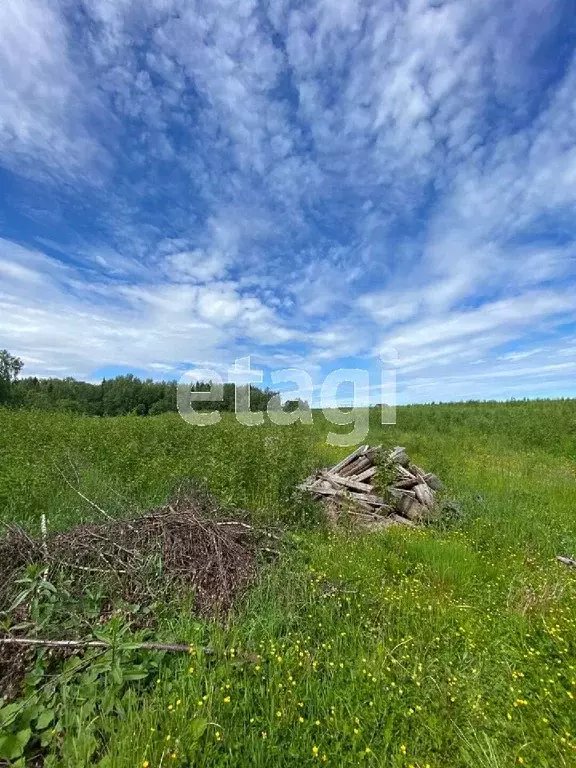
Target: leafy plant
{"type": "Point", "coordinates": [36, 598]}
{"type": "Point", "coordinates": [67, 696]}
{"type": "Point", "coordinates": [385, 475]}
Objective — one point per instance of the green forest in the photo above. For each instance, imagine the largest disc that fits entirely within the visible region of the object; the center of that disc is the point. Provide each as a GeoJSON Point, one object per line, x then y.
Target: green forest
{"type": "Point", "coordinates": [118, 396]}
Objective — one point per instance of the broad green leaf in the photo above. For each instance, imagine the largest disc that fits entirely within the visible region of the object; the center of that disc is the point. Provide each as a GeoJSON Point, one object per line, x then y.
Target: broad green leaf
{"type": "Point", "coordinates": [136, 675]}
{"type": "Point", "coordinates": [9, 710]}
{"type": "Point", "coordinates": [29, 713]}
{"type": "Point", "coordinates": [197, 728]}
{"type": "Point", "coordinates": [13, 744]}
{"type": "Point", "coordinates": [45, 719]}
{"type": "Point", "coordinates": [116, 675]}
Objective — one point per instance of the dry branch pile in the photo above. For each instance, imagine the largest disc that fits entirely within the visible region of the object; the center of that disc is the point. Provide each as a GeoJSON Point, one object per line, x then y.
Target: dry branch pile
{"type": "Point", "coordinates": [351, 487]}
{"type": "Point", "coordinates": [185, 542]}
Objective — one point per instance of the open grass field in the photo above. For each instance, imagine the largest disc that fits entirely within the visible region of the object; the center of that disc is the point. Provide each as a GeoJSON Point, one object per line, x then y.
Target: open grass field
{"type": "Point", "coordinates": [453, 646]}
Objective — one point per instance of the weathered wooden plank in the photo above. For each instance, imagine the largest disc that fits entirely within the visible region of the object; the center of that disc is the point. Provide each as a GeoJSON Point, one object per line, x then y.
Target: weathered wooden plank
{"type": "Point", "coordinates": [365, 475]}
{"type": "Point", "coordinates": [320, 488]}
{"type": "Point", "coordinates": [433, 481]}
{"type": "Point", "coordinates": [424, 495]}
{"type": "Point", "coordinates": [403, 472]}
{"type": "Point", "coordinates": [375, 501]}
{"type": "Point", "coordinates": [357, 466]}
{"type": "Point", "coordinates": [406, 484]}
{"type": "Point", "coordinates": [348, 482]}
{"type": "Point", "coordinates": [311, 484]}
{"type": "Point", "coordinates": [399, 493]}
{"type": "Point", "coordinates": [362, 505]}
{"type": "Point", "coordinates": [327, 491]}
{"type": "Point", "coordinates": [348, 459]}
{"type": "Point", "coordinates": [416, 511]}
{"type": "Point", "coordinates": [416, 471]}
{"type": "Point", "coordinates": [403, 504]}
{"type": "Point", "coordinates": [398, 455]}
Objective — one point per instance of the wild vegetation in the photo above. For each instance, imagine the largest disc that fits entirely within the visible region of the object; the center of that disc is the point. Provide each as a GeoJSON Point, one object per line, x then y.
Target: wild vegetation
{"type": "Point", "coordinates": [452, 645]}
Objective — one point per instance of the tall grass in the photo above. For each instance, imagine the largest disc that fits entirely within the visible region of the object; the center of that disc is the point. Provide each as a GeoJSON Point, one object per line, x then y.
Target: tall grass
{"type": "Point", "coordinates": [449, 646]}
{"type": "Point", "coordinates": [129, 463]}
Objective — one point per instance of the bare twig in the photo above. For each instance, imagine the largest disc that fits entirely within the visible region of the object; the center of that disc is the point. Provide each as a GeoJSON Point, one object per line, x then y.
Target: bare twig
{"type": "Point", "coordinates": [130, 552]}
{"type": "Point", "coordinates": [82, 496]}
{"type": "Point", "coordinates": [73, 468]}
{"type": "Point", "coordinates": [271, 551]}
{"type": "Point", "coordinates": [91, 570]}
{"type": "Point", "coordinates": [44, 530]}
{"type": "Point", "coordinates": [236, 522]}
{"type": "Point", "coordinates": [248, 528]}
{"type": "Point", "coordinates": [173, 647]}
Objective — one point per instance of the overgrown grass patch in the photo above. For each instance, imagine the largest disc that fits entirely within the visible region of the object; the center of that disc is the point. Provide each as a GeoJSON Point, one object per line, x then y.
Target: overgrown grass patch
{"type": "Point", "coordinates": [450, 646]}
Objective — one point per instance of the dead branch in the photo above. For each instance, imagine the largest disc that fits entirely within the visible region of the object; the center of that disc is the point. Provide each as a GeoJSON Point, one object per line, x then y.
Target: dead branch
{"type": "Point", "coordinates": [82, 496]}
{"type": "Point", "coordinates": [172, 647]}
{"type": "Point", "coordinates": [44, 531]}
{"type": "Point", "coordinates": [248, 528]}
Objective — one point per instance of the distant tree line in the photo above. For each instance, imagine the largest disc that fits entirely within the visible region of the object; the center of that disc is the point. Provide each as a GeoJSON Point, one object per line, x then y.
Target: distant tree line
{"type": "Point", "coordinates": [111, 397]}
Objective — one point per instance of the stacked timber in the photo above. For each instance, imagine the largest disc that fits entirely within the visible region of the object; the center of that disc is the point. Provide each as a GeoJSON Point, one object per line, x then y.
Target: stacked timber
{"type": "Point", "coordinates": [383, 487]}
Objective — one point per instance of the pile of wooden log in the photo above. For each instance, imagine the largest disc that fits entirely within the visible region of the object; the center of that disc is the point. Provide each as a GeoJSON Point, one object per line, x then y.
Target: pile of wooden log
{"type": "Point", "coordinates": [409, 495]}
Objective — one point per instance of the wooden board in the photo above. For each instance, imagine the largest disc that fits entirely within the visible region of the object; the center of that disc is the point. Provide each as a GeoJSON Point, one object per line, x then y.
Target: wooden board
{"type": "Point", "coordinates": [348, 459]}
{"type": "Point", "coordinates": [366, 474]}
{"type": "Point", "coordinates": [356, 466]}
{"type": "Point", "coordinates": [348, 482]}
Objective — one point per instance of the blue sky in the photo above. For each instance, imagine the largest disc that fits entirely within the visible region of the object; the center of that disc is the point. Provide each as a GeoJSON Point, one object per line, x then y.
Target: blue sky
{"type": "Point", "coordinates": [312, 184]}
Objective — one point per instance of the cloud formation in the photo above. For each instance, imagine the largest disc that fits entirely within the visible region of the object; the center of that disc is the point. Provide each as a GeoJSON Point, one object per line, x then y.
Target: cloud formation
{"type": "Point", "coordinates": [312, 184]}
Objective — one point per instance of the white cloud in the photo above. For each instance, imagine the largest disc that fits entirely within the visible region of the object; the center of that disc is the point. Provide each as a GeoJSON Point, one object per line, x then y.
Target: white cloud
{"type": "Point", "coordinates": [118, 324]}
{"type": "Point", "coordinates": [505, 315]}
{"type": "Point", "coordinates": [197, 266]}
{"type": "Point", "coordinates": [42, 109]}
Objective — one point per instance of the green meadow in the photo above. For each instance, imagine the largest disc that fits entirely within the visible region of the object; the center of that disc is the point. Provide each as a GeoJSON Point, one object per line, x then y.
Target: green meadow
{"type": "Point", "coordinates": [450, 646]}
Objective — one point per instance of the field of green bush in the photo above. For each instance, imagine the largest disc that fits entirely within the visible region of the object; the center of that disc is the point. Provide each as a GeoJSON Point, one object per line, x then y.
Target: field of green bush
{"type": "Point", "coordinates": [452, 646]}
